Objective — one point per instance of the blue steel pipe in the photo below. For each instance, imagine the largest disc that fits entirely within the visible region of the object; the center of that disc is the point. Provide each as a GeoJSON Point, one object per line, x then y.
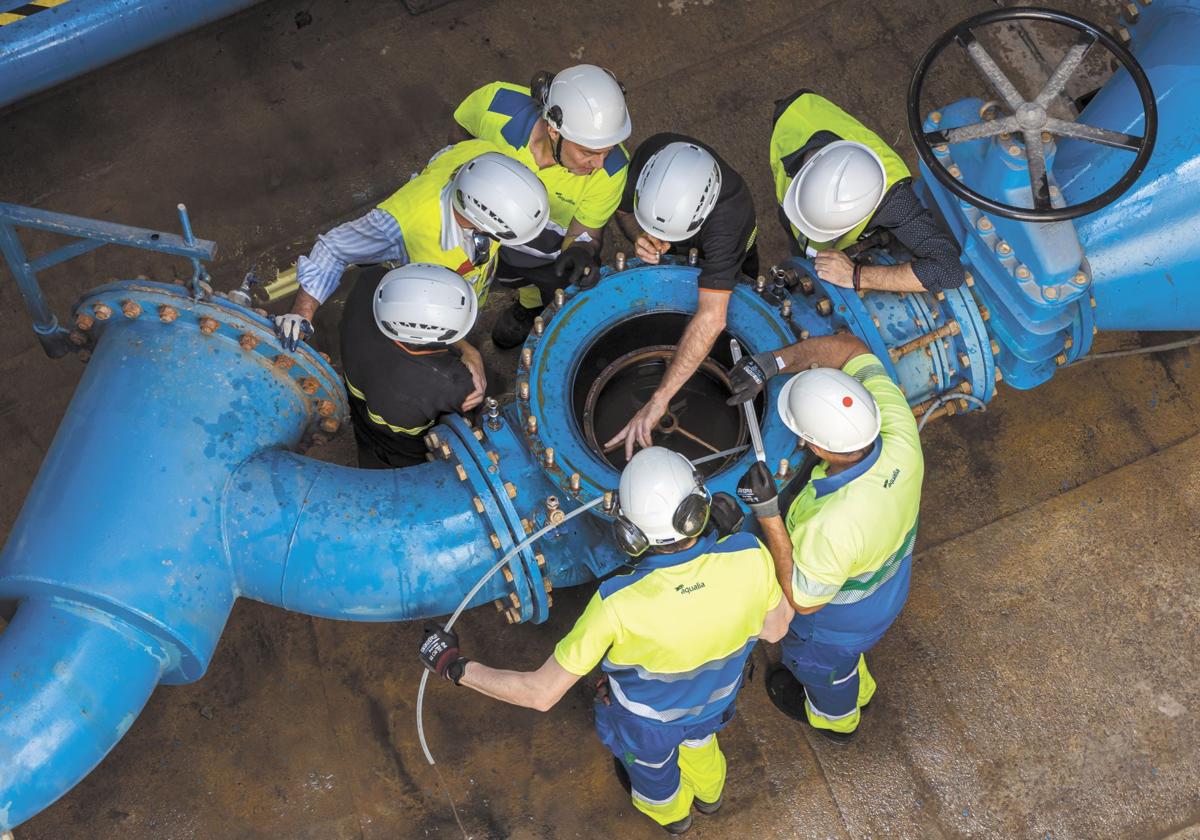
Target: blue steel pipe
{"type": "Point", "coordinates": [64, 41]}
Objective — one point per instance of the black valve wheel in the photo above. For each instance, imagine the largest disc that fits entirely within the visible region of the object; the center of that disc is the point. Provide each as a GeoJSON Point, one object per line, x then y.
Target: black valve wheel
{"type": "Point", "coordinates": [1030, 118]}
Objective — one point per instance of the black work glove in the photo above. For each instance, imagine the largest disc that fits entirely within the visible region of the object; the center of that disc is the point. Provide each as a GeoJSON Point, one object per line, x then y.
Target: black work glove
{"type": "Point", "coordinates": [750, 375]}
{"type": "Point", "coordinates": [579, 265]}
{"type": "Point", "coordinates": [440, 654]}
{"type": "Point", "coordinates": [757, 489]}
{"type": "Point", "coordinates": [727, 515]}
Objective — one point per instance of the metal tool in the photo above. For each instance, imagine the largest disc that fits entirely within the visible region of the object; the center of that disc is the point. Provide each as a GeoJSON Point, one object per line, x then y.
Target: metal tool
{"type": "Point", "coordinates": [735, 350]}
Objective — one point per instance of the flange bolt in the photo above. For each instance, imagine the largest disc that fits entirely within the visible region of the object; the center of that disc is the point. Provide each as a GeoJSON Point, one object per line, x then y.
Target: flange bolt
{"type": "Point", "coordinates": [493, 413]}
{"type": "Point", "coordinates": [131, 309]}
{"type": "Point", "coordinates": [167, 314]}
{"type": "Point", "coordinates": [103, 313]}
{"type": "Point", "coordinates": [208, 326]}
{"type": "Point", "coordinates": [619, 261]}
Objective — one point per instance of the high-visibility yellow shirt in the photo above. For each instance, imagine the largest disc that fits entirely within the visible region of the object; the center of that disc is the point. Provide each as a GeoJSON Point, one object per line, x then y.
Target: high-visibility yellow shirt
{"type": "Point", "coordinates": [807, 115]}
{"type": "Point", "coordinates": [505, 114]}
{"type": "Point", "coordinates": [674, 633]}
{"type": "Point", "coordinates": [417, 207]}
{"type": "Point", "coordinates": [851, 531]}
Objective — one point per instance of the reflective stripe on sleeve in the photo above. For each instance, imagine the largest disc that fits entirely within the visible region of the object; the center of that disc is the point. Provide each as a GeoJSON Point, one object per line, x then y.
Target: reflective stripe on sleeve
{"type": "Point", "coordinates": [375, 418]}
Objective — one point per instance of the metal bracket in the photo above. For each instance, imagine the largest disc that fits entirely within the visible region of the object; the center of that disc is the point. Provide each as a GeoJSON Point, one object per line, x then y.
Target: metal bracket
{"type": "Point", "coordinates": [91, 234]}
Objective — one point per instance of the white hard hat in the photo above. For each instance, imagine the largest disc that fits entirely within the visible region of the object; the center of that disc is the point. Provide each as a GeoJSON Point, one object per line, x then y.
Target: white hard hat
{"type": "Point", "coordinates": [830, 408]}
{"type": "Point", "coordinates": [501, 197]}
{"type": "Point", "coordinates": [839, 187]}
{"type": "Point", "coordinates": [654, 486]}
{"type": "Point", "coordinates": [421, 303]}
{"type": "Point", "coordinates": [677, 189]}
{"type": "Point", "coordinates": [587, 106]}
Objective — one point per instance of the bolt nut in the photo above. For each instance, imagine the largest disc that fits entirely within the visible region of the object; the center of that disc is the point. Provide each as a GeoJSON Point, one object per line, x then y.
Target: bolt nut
{"type": "Point", "coordinates": [77, 338]}
{"type": "Point", "coordinates": [461, 471]}
{"type": "Point", "coordinates": [1003, 248]}
{"type": "Point", "coordinates": [102, 312]}
{"type": "Point", "coordinates": [510, 489]}
{"type": "Point", "coordinates": [984, 223]}
{"type": "Point", "coordinates": [825, 307]}
{"type": "Point", "coordinates": [496, 545]}
{"type": "Point", "coordinates": [1080, 279]}
{"type": "Point", "coordinates": [964, 360]}
{"type": "Point", "coordinates": [548, 456]}
{"type": "Point", "coordinates": [208, 326]}
{"type": "Point", "coordinates": [1060, 359]}
{"type": "Point", "coordinates": [309, 385]}
{"type": "Point", "coordinates": [619, 261]}
{"type": "Point", "coordinates": [969, 279]}
{"type": "Point", "coordinates": [475, 500]}
{"type": "Point", "coordinates": [942, 149]}
{"type": "Point", "coordinates": [1068, 343]}
{"type": "Point", "coordinates": [984, 313]}
{"type": "Point", "coordinates": [935, 117]}
{"type": "Point", "coordinates": [167, 314]}
{"type": "Point", "coordinates": [523, 391]}
{"type": "Point", "coordinates": [1023, 272]}
{"type": "Point", "coordinates": [999, 375]}
{"type": "Point", "coordinates": [954, 170]}
{"type": "Point", "coordinates": [527, 357]}
{"type": "Point", "coordinates": [330, 425]}
{"type": "Point", "coordinates": [444, 451]}
{"type": "Point", "coordinates": [574, 482]}
{"type": "Point", "coordinates": [539, 325]}
{"type": "Point", "coordinates": [283, 362]}
{"type": "Point", "coordinates": [784, 468]}
{"type": "Point", "coordinates": [1014, 150]}
{"type": "Point", "coordinates": [131, 309]}
{"type": "Point", "coordinates": [995, 347]}
{"type": "Point", "coordinates": [84, 322]}
{"type": "Point", "coordinates": [325, 408]}
{"type": "Point", "coordinates": [248, 341]}
{"type": "Point", "coordinates": [512, 616]}
{"type": "Point", "coordinates": [560, 298]}
{"type": "Point", "coordinates": [531, 424]}
{"type": "Point", "coordinates": [1050, 293]}
{"type": "Point", "coordinates": [940, 296]}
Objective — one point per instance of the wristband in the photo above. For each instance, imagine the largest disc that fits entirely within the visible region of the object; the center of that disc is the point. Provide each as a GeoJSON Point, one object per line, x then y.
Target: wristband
{"type": "Point", "coordinates": [857, 279]}
{"type": "Point", "coordinates": [456, 669]}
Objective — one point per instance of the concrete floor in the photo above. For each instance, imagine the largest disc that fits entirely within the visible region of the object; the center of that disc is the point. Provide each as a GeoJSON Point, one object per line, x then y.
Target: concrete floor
{"type": "Point", "coordinates": [1041, 682]}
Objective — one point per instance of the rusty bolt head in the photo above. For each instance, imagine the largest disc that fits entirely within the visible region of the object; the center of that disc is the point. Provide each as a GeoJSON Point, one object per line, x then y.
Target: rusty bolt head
{"type": "Point", "coordinates": [984, 313]}
{"type": "Point", "coordinates": [940, 296]}
{"type": "Point", "coordinates": [1080, 279]}
{"type": "Point", "coordinates": [1050, 293]}
{"type": "Point", "coordinates": [825, 307]}
{"type": "Point", "coordinates": [1014, 150]}
{"type": "Point", "coordinates": [527, 356]}
{"type": "Point", "coordinates": [548, 455]}
{"type": "Point", "coordinates": [1068, 343]}
{"type": "Point", "coordinates": [999, 375]}
{"type": "Point", "coordinates": [102, 312]}
{"type": "Point", "coordinates": [309, 385]}
{"type": "Point", "coordinates": [575, 482]}
{"type": "Point", "coordinates": [496, 545]}
{"type": "Point", "coordinates": [523, 391]}
{"type": "Point", "coordinates": [995, 348]}
{"type": "Point", "coordinates": [167, 314]}
{"type": "Point", "coordinates": [325, 356]}
{"type": "Point", "coordinates": [283, 362]}
{"type": "Point", "coordinates": [478, 503]}
{"type": "Point", "coordinates": [941, 149]}
{"type": "Point", "coordinates": [84, 322]}
{"type": "Point", "coordinates": [531, 424]}
{"type": "Point", "coordinates": [248, 341]}
{"type": "Point", "coordinates": [445, 451]}
{"type": "Point", "coordinates": [461, 471]}
{"type": "Point", "coordinates": [954, 170]}
{"type": "Point", "coordinates": [208, 326]}
{"type": "Point", "coordinates": [330, 425]}
{"type": "Point", "coordinates": [77, 338]}
{"type": "Point", "coordinates": [964, 360]}
{"type": "Point", "coordinates": [325, 408]}
{"type": "Point", "coordinates": [968, 279]}
{"type": "Point", "coordinates": [985, 223]}
{"type": "Point", "coordinates": [1003, 248]}
{"type": "Point", "coordinates": [1023, 272]}
{"type": "Point", "coordinates": [131, 309]}
{"type": "Point", "coordinates": [510, 489]}
{"type": "Point", "coordinates": [1060, 359]}
{"type": "Point", "coordinates": [512, 616]}
{"type": "Point", "coordinates": [935, 117]}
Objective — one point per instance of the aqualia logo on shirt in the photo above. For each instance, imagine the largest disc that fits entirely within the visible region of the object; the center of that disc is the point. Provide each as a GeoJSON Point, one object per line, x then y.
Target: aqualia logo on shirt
{"type": "Point", "coordinates": [889, 482]}
{"type": "Point", "coordinates": [684, 590]}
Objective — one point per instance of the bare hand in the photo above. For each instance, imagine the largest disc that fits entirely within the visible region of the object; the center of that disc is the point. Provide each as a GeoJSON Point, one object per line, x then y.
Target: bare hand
{"type": "Point", "coordinates": [601, 691]}
{"type": "Point", "coordinates": [637, 431]}
{"type": "Point", "coordinates": [474, 362]}
{"type": "Point", "coordinates": [835, 267]}
{"type": "Point", "coordinates": [650, 249]}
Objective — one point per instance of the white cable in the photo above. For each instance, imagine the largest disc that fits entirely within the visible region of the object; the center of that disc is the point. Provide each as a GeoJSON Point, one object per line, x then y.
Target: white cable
{"type": "Point", "coordinates": [463, 605]}
{"type": "Point", "coordinates": [945, 398]}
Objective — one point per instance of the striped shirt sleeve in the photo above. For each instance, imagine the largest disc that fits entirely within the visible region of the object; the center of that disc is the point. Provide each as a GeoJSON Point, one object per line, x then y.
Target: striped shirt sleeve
{"type": "Point", "coordinates": [374, 238]}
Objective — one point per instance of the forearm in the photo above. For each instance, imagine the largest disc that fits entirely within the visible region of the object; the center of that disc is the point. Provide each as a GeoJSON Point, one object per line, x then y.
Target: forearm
{"type": "Point", "coordinates": [693, 348]}
{"type": "Point", "coordinates": [829, 351]}
{"type": "Point", "coordinates": [582, 236]}
{"type": "Point", "coordinates": [521, 688]}
{"type": "Point", "coordinates": [465, 349]}
{"type": "Point", "coordinates": [890, 278]}
{"type": "Point", "coordinates": [780, 546]}
{"type": "Point", "coordinates": [305, 305]}
{"type": "Point", "coordinates": [628, 225]}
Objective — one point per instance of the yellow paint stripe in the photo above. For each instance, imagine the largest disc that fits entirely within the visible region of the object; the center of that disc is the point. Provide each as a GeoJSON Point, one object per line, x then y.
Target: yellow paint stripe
{"type": "Point", "coordinates": [47, 4]}
{"type": "Point", "coordinates": [8, 17]}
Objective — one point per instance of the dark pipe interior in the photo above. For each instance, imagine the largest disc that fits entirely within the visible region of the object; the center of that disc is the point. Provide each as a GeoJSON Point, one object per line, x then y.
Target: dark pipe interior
{"type": "Point", "coordinates": [699, 407]}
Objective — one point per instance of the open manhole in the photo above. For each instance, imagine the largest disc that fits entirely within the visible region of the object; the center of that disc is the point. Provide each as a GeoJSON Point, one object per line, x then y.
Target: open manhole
{"type": "Point", "coordinates": [622, 369]}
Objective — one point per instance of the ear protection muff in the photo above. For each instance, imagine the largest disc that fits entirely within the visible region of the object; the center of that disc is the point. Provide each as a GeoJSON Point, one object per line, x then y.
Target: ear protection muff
{"type": "Point", "coordinates": [690, 519]}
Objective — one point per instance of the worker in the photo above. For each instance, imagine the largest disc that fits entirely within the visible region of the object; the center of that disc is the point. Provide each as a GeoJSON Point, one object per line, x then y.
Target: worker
{"type": "Point", "coordinates": [455, 213]}
{"type": "Point", "coordinates": [842, 190]}
{"type": "Point", "coordinates": [682, 195]}
{"type": "Point", "coordinates": [672, 636]}
{"type": "Point", "coordinates": [844, 554]}
{"type": "Point", "coordinates": [568, 128]}
{"type": "Point", "coordinates": [403, 343]}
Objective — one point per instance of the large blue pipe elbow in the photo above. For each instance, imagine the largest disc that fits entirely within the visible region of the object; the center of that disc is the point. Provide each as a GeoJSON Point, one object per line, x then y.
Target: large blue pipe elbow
{"type": "Point", "coordinates": [51, 45]}
{"type": "Point", "coordinates": [72, 681]}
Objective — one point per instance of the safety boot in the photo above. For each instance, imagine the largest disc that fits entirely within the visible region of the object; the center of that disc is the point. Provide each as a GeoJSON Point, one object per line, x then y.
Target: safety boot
{"type": "Point", "coordinates": [679, 826]}
{"type": "Point", "coordinates": [513, 325]}
{"type": "Point", "coordinates": [707, 808]}
{"type": "Point", "coordinates": [786, 692]}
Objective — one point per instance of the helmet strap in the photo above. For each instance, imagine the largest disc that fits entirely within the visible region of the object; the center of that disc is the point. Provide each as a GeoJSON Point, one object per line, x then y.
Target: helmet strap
{"type": "Point", "coordinates": [556, 149]}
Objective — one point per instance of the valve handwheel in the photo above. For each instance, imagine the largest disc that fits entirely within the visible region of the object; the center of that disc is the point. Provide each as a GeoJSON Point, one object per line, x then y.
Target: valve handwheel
{"type": "Point", "coordinates": [1030, 118]}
